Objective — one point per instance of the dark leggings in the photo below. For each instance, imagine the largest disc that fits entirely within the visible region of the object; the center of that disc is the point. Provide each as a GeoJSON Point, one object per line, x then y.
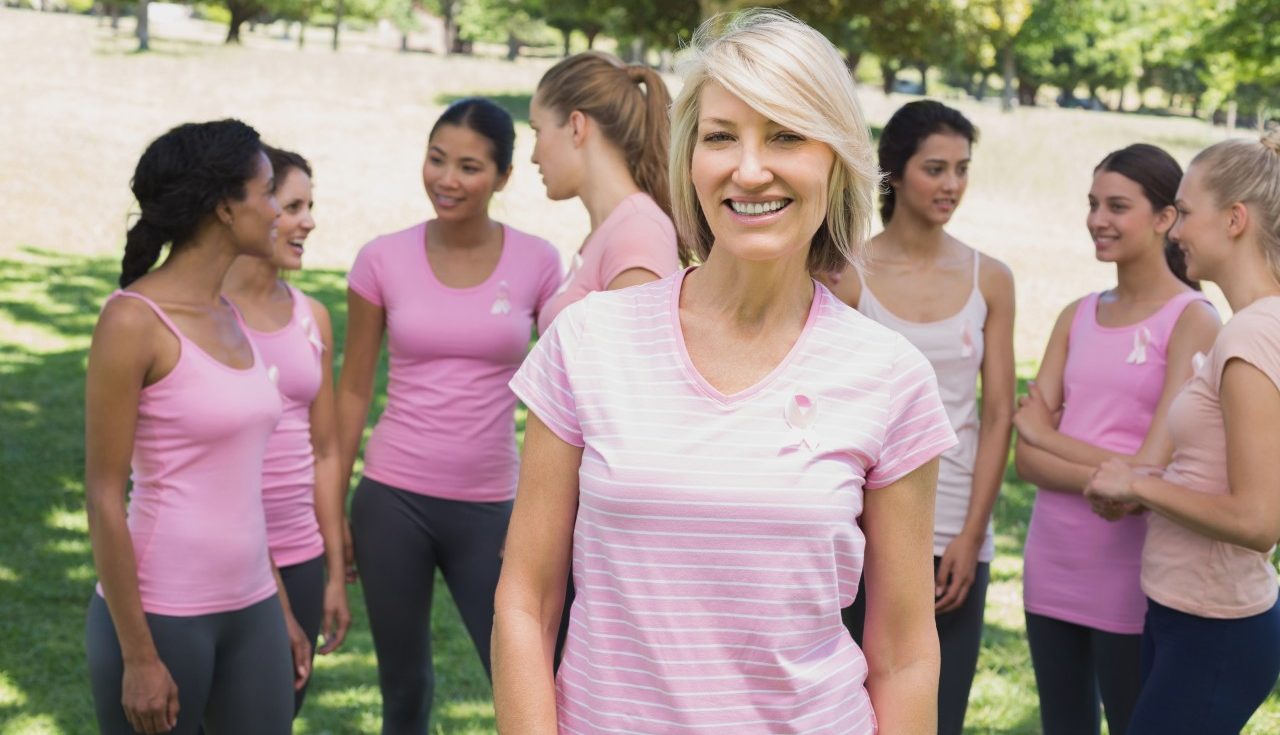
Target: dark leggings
{"type": "Point", "coordinates": [959, 637]}
{"type": "Point", "coordinates": [233, 670]}
{"type": "Point", "coordinates": [304, 583]}
{"type": "Point", "coordinates": [401, 538]}
{"type": "Point", "coordinates": [1079, 669]}
{"type": "Point", "coordinates": [1204, 676]}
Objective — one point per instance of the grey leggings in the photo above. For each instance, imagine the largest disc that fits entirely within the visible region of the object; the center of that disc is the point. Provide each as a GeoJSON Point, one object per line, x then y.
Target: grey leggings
{"type": "Point", "coordinates": [1077, 669]}
{"type": "Point", "coordinates": [304, 583]}
{"type": "Point", "coordinates": [401, 538]}
{"type": "Point", "coordinates": [234, 670]}
{"type": "Point", "coordinates": [960, 638]}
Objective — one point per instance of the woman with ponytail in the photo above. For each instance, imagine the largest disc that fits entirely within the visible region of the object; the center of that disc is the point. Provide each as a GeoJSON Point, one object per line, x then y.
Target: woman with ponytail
{"type": "Point", "coordinates": [602, 136]}
{"type": "Point", "coordinates": [956, 306]}
{"type": "Point", "coordinates": [301, 489]}
{"type": "Point", "coordinates": [1114, 363]}
{"type": "Point", "coordinates": [1211, 645]}
{"type": "Point", "coordinates": [190, 626]}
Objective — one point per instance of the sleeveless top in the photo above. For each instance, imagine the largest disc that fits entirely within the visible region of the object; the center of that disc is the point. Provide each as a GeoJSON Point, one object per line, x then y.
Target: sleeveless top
{"type": "Point", "coordinates": [294, 358]}
{"type": "Point", "coordinates": [1079, 567]}
{"type": "Point", "coordinates": [955, 347]}
{"type": "Point", "coordinates": [195, 511]}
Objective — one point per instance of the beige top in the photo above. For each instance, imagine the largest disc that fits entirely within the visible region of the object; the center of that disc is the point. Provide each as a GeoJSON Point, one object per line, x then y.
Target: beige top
{"type": "Point", "coordinates": [1181, 568]}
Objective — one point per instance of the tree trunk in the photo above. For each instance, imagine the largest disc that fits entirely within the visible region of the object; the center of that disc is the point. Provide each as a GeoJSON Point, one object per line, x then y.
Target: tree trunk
{"type": "Point", "coordinates": [143, 30]}
{"type": "Point", "coordinates": [1231, 115]}
{"type": "Point", "coordinates": [114, 9]}
{"type": "Point", "coordinates": [240, 12]}
{"type": "Point", "coordinates": [983, 85]}
{"type": "Point", "coordinates": [302, 33]}
{"type": "Point", "coordinates": [924, 78]}
{"type": "Point", "coordinates": [513, 46]}
{"type": "Point", "coordinates": [889, 75]}
{"type": "Point", "coordinates": [337, 23]}
{"type": "Point", "coordinates": [1010, 67]}
{"type": "Point", "coordinates": [404, 41]}
{"type": "Point", "coordinates": [566, 32]}
{"type": "Point", "coordinates": [851, 59]}
{"type": "Point", "coordinates": [1120, 104]}
{"type": "Point", "coordinates": [591, 33]}
{"type": "Point", "coordinates": [447, 8]}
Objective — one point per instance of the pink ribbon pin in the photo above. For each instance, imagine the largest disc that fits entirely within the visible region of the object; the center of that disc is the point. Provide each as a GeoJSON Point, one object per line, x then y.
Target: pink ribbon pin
{"type": "Point", "coordinates": [967, 347]}
{"type": "Point", "coordinates": [1141, 339]}
{"type": "Point", "coordinates": [502, 304]}
{"type": "Point", "coordinates": [801, 415]}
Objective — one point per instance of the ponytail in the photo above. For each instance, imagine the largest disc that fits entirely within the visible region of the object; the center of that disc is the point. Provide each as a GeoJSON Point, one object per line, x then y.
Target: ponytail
{"type": "Point", "coordinates": [141, 251]}
{"type": "Point", "coordinates": [1245, 171]}
{"type": "Point", "coordinates": [630, 106]}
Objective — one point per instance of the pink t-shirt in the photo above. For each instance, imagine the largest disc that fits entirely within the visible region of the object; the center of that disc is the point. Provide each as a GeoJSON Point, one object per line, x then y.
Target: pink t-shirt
{"type": "Point", "coordinates": [294, 356]}
{"type": "Point", "coordinates": [1079, 567]}
{"type": "Point", "coordinates": [195, 511]}
{"type": "Point", "coordinates": [636, 234]}
{"type": "Point", "coordinates": [1181, 568]}
{"type": "Point", "coordinates": [717, 536]}
{"type": "Point", "coordinates": [448, 429]}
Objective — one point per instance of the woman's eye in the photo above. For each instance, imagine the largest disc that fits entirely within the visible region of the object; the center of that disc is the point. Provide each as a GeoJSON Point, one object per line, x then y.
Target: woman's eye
{"type": "Point", "coordinates": [716, 137]}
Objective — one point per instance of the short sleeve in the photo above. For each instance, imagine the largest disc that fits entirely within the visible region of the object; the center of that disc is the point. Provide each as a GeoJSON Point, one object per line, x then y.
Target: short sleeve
{"type": "Point", "coordinates": [364, 275]}
{"type": "Point", "coordinates": [638, 242]}
{"type": "Point", "coordinates": [916, 425]}
{"type": "Point", "coordinates": [1253, 338]}
{"type": "Point", "coordinates": [550, 278]}
{"type": "Point", "coordinates": [544, 382]}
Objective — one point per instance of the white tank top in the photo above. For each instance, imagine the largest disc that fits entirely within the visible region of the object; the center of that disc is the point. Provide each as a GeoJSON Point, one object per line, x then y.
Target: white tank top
{"type": "Point", "coordinates": [954, 346]}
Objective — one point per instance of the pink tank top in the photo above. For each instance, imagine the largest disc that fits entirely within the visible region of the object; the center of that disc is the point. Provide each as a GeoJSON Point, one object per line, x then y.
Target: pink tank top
{"type": "Point", "coordinates": [955, 347]}
{"type": "Point", "coordinates": [294, 358]}
{"type": "Point", "coordinates": [195, 510]}
{"type": "Point", "coordinates": [1079, 567]}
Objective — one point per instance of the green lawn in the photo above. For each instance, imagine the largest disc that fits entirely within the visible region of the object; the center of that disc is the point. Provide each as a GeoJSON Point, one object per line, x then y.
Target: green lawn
{"type": "Point", "coordinates": [48, 304]}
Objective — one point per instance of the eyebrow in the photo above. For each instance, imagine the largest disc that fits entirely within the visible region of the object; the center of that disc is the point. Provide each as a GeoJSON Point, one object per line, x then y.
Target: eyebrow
{"type": "Point", "coordinates": [716, 121]}
{"type": "Point", "coordinates": [945, 161]}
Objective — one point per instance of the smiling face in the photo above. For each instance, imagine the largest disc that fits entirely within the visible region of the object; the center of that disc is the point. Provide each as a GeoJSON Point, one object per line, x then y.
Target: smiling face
{"type": "Point", "coordinates": [293, 194]}
{"type": "Point", "coordinates": [1121, 219]}
{"type": "Point", "coordinates": [1202, 229]}
{"type": "Point", "coordinates": [253, 219]}
{"type": "Point", "coordinates": [558, 159]}
{"type": "Point", "coordinates": [761, 187]}
{"type": "Point", "coordinates": [460, 175]}
{"type": "Point", "coordinates": [935, 178]}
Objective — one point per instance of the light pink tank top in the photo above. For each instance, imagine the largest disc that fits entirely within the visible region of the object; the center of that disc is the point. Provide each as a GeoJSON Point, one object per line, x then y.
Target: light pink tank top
{"type": "Point", "coordinates": [1079, 567]}
{"type": "Point", "coordinates": [195, 510]}
{"type": "Point", "coordinates": [294, 357]}
{"type": "Point", "coordinates": [954, 346]}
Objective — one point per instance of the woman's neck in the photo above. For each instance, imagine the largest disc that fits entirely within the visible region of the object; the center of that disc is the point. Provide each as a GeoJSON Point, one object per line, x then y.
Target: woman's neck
{"type": "Point", "coordinates": [750, 294]}
{"type": "Point", "coordinates": [606, 182]}
{"type": "Point", "coordinates": [467, 234]}
{"type": "Point", "coordinates": [1146, 278]}
{"type": "Point", "coordinates": [252, 279]}
{"type": "Point", "coordinates": [1244, 280]}
{"type": "Point", "coordinates": [914, 238]}
{"type": "Point", "coordinates": [195, 272]}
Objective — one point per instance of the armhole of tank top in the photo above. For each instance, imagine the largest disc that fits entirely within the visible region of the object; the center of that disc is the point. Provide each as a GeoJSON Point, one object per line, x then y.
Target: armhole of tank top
{"type": "Point", "coordinates": [977, 270]}
{"type": "Point", "coordinates": [168, 324]}
{"type": "Point", "coordinates": [1086, 314]}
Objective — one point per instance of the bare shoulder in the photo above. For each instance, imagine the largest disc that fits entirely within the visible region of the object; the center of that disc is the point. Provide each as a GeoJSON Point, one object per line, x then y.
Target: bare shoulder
{"type": "Point", "coordinates": [1199, 316]}
{"type": "Point", "coordinates": [126, 318]}
{"type": "Point", "coordinates": [994, 276]}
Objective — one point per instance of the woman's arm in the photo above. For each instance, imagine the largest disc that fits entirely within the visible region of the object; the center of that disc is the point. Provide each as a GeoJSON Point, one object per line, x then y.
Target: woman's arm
{"type": "Point", "coordinates": [530, 596]}
{"type": "Point", "coordinates": [366, 323]}
{"type": "Point", "coordinates": [330, 493]}
{"type": "Point", "coordinates": [631, 277]}
{"type": "Point", "coordinates": [958, 568]}
{"type": "Point", "coordinates": [1249, 514]}
{"type": "Point", "coordinates": [299, 646]}
{"type": "Point", "coordinates": [119, 363]}
{"type": "Point", "coordinates": [1035, 416]}
{"type": "Point", "coordinates": [901, 637]}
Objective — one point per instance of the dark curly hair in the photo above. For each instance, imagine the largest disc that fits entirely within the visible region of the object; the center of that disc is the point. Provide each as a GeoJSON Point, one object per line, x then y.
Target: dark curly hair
{"type": "Point", "coordinates": [1159, 175]}
{"type": "Point", "coordinates": [485, 117]}
{"type": "Point", "coordinates": [909, 126]}
{"type": "Point", "coordinates": [180, 179]}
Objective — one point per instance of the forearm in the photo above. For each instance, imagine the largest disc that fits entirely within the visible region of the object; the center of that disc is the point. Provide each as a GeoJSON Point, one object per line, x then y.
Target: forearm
{"type": "Point", "coordinates": [353, 414]}
{"type": "Point", "coordinates": [281, 591]}
{"type": "Point", "coordinates": [1049, 471]}
{"type": "Point", "coordinates": [523, 683]}
{"type": "Point", "coordinates": [988, 472]}
{"type": "Point", "coordinates": [1221, 517]}
{"type": "Point", "coordinates": [1075, 451]}
{"type": "Point", "coordinates": [330, 511]}
{"type": "Point", "coordinates": [118, 573]}
{"type": "Point", "coordinates": [904, 693]}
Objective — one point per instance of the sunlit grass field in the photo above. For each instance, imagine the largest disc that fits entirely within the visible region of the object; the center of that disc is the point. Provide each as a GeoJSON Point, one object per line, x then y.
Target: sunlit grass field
{"type": "Point", "coordinates": [78, 109]}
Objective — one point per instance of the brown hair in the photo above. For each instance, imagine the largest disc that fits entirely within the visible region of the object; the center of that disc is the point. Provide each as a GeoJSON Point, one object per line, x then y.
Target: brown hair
{"type": "Point", "coordinates": [636, 121]}
{"type": "Point", "coordinates": [1158, 175]}
{"type": "Point", "coordinates": [1248, 171]}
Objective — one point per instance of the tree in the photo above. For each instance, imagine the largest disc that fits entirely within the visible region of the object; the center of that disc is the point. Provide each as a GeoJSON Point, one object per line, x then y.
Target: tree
{"type": "Point", "coordinates": [143, 30]}
{"type": "Point", "coordinates": [1001, 21]}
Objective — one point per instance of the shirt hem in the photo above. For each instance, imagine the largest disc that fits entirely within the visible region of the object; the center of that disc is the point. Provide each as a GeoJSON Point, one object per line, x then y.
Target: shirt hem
{"type": "Point", "coordinates": [297, 555]}
{"type": "Point", "coordinates": [192, 611]}
{"type": "Point", "coordinates": [1067, 616]}
{"type": "Point", "coordinates": [1216, 612]}
{"type": "Point", "coordinates": [464, 496]}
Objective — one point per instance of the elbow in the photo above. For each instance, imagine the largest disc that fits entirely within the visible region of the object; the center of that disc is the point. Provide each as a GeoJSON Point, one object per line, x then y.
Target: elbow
{"type": "Point", "coordinates": [1261, 539]}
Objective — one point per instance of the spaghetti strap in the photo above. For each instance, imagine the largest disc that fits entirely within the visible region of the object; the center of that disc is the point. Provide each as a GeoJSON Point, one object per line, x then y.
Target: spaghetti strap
{"type": "Point", "coordinates": [153, 306]}
{"type": "Point", "coordinates": [863, 291]}
{"type": "Point", "coordinates": [977, 263]}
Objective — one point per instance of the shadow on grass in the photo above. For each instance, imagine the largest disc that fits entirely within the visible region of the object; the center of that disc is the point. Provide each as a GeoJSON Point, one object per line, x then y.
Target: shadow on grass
{"type": "Point", "coordinates": [515, 103]}
{"type": "Point", "coordinates": [49, 302]}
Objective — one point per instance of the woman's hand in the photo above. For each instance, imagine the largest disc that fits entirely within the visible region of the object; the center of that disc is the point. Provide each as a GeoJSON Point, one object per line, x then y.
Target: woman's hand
{"type": "Point", "coordinates": [349, 552]}
{"type": "Point", "coordinates": [1112, 481]}
{"type": "Point", "coordinates": [301, 648]}
{"type": "Point", "coordinates": [1033, 418]}
{"type": "Point", "coordinates": [149, 697]}
{"type": "Point", "coordinates": [337, 616]}
{"type": "Point", "coordinates": [956, 573]}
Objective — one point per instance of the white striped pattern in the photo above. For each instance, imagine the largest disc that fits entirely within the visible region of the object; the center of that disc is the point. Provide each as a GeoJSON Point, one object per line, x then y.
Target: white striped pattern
{"type": "Point", "coordinates": [712, 552]}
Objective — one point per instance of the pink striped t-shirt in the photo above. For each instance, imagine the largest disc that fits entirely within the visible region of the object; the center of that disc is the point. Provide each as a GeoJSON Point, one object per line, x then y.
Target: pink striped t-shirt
{"type": "Point", "coordinates": [449, 426]}
{"type": "Point", "coordinates": [295, 359]}
{"type": "Point", "coordinates": [717, 536]}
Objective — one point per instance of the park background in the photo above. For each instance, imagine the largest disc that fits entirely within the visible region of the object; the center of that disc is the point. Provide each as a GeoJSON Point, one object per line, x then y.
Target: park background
{"type": "Point", "coordinates": [1053, 84]}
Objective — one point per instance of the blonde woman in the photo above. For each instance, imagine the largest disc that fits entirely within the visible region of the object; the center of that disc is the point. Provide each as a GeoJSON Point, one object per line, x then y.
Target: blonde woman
{"type": "Point", "coordinates": [1211, 646]}
{"type": "Point", "coordinates": [698, 447]}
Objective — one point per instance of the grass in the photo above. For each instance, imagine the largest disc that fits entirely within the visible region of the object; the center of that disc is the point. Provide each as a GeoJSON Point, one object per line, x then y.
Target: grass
{"type": "Point", "coordinates": [88, 107]}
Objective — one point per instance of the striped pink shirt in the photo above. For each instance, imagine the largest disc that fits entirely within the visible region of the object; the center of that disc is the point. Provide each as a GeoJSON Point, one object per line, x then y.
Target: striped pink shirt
{"type": "Point", "coordinates": [717, 536]}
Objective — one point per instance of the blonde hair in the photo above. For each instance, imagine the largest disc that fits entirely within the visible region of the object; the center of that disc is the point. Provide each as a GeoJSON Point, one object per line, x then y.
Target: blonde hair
{"type": "Point", "coordinates": [1248, 171]}
{"type": "Point", "coordinates": [628, 102]}
{"type": "Point", "coordinates": [791, 74]}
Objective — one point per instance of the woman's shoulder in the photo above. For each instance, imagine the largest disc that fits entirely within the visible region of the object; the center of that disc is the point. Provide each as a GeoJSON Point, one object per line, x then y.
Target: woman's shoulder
{"type": "Point", "coordinates": [640, 213]}
{"type": "Point", "coordinates": [387, 244]}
